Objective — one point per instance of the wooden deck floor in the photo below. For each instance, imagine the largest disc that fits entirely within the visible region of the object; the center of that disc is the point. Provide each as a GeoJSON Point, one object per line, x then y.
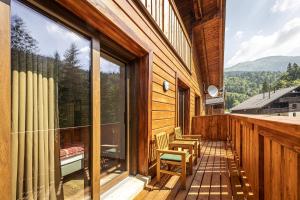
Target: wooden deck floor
{"type": "Point", "coordinates": [215, 176]}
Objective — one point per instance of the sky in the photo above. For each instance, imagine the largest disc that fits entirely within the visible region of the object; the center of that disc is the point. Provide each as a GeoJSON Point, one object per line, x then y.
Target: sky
{"type": "Point", "coordinates": [52, 36]}
{"type": "Point", "coordinates": [260, 28]}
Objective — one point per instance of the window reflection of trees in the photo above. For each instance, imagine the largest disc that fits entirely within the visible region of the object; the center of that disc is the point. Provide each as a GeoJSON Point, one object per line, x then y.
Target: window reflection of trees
{"type": "Point", "coordinates": [73, 81]}
{"type": "Point", "coordinates": [110, 98]}
{"type": "Point", "coordinates": [48, 93]}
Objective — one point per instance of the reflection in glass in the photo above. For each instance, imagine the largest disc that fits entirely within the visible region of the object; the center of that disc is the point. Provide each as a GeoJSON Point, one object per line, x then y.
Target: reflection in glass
{"type": "Point", "coordinates": [113, 134]}
{"type": "Point", "coordinates": [50, 108]}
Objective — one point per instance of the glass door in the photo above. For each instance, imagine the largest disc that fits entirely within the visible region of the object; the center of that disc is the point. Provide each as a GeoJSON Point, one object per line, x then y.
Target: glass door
{"type": "Point", "coordinates": [181, 108]}
{"type": "Point", "coordinates": [113, 121]}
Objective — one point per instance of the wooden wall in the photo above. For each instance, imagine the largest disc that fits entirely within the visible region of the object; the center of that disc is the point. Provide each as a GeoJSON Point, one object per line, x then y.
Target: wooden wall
{"type": "Point", "coordinates": [166, 64]}
{"type": "Point", "coordinates": [131, 19]}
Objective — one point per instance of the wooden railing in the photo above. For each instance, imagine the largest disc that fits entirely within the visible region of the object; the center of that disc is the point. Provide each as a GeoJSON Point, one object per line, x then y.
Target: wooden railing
{"type": "Point", "coordinates": [267, 148]}
{"type": "Point", "coordinates": [212, 127]}
{"type": "Point", "coordinates": [166, 16]}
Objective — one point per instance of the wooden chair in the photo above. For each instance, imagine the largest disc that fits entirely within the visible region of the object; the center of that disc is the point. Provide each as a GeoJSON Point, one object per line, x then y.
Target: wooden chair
{"type": "Point", "coordinates": [180, 136]}
{"type": "Point", "coordinates": [172, 157]}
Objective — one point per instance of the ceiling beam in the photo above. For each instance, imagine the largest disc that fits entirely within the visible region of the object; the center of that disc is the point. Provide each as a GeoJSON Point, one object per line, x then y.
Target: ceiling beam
{"type": "Point", "coordinates": [222, 8]}
{"type": "Point", "coordinates": [207, 18]}
{"type": "Point", "coordinates": [196, 10]}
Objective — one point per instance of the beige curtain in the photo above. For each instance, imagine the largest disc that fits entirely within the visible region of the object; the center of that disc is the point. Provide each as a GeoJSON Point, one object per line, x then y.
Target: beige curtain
{"type": "Point", "coordinates": [34, 117]}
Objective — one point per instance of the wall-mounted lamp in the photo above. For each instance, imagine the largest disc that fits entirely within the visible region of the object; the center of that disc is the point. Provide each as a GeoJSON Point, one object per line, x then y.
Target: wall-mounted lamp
{"type": "Point", "coordinates": [166, 86]}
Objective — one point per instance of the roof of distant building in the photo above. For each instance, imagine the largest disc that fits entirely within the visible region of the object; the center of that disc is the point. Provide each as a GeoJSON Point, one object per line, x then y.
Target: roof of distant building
{"type": "Point", "coordinates": [214, 101]}
{"type": "Point", "coordinates": [259, 101]}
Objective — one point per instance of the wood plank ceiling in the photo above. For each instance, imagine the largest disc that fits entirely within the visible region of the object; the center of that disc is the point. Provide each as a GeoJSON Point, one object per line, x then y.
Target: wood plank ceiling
{"type": "Point", "coordinates": [205, 23]}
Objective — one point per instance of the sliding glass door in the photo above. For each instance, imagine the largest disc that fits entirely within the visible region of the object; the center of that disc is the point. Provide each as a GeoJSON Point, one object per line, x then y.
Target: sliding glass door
{"type": "Point", "coordinates": [181, 108]}
{"type": "Point", "coordinates": [51, 112]}
{"type": "Point", "coordinates": [113, 120]}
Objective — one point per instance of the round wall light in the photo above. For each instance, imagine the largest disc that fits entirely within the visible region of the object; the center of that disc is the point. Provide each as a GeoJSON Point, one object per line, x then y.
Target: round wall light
{"type": "Point", "coordinates": [166, 86]}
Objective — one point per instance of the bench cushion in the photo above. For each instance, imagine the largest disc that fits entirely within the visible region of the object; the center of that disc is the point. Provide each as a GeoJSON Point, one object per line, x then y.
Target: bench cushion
{"type": "Point", "coordinates": [173, 157]}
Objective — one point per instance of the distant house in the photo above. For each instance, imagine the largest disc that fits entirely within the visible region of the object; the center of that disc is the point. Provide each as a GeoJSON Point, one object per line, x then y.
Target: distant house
{"type": "Point", "coordinates": [283, 102]}
{"type": "Point", "coordinates": [214, 106]}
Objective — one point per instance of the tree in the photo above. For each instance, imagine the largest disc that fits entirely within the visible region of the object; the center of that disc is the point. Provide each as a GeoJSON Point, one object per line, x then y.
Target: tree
{"type": "Point", "coordinates": [20, 37]}
{"type": "Point", "coordinates": [265, 88]}
{"type": "Point", "coordinates": [71, 56]}
{"type": "Point", "coordinates": [74, 89]}
{"type": "Point", "coordinates": [243, 85]}
{"type": "Point", "coordinates": [290, 78]}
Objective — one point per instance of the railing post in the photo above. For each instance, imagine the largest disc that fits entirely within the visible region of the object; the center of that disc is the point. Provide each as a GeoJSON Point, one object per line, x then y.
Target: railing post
{"type": "Point", "coordinates": [261, 168]}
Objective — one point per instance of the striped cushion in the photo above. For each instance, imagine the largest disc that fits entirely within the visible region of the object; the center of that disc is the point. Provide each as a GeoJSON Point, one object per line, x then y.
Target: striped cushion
{"type": "Point", "coordinates": [70, 150]}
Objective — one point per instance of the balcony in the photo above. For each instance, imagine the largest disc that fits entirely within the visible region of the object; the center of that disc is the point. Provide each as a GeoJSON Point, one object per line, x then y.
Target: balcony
{"type": "Point", "coordinates": [167, 18]}
{"type": "Point", "coordinates": [242, 156]}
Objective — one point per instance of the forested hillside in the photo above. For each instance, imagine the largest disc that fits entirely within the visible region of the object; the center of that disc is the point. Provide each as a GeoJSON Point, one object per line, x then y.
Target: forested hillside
{"type": "Point", "coordinates": [269, 64]}
{"type": "Point", "coordinates": [243, 85]}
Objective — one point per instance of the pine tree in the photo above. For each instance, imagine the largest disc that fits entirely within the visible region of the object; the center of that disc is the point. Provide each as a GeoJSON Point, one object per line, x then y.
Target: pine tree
{"type": "Point", "coordinates": [71, 56]}
{"type": "Point", "coordinates": [20, 36]}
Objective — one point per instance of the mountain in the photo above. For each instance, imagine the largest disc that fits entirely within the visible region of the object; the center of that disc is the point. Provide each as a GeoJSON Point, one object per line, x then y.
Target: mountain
{"type": "Point", "coordinates": [271, 63]}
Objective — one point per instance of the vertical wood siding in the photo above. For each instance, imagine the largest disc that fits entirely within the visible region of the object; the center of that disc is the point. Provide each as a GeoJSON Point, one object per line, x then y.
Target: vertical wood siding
{"type": "Point", "coordinates": [267, 152]}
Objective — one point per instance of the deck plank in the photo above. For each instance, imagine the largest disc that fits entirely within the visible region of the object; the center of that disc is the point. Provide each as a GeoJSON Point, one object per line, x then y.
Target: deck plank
{"type": "Point", "coordinates": [206, 182]}
{"type": "Point", "coordinates": [215, 186]}
{"type": "Point", "coordinates": [194, 183]}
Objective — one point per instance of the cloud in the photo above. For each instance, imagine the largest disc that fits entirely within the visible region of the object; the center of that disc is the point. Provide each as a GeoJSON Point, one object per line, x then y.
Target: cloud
{"type": "Point", "coordinates": [239, 35]}
{"type": "Point", "coordinates": [85, 49]}
{"type": "Point", "coordinates": [226, 29]}
{"type": "Point", "coordinates": [285, 5]}
{"type": "Point", "coordinates": [281, 42]}
{"type": "Point", "coordinates": [61, 32]}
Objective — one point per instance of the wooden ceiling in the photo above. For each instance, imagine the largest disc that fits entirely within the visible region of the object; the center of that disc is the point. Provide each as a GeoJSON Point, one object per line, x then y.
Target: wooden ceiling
{"type": "Point", "coordinates": [205, 23]}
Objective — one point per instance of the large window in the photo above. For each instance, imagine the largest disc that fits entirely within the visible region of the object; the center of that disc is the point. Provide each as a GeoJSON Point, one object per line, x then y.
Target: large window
{"type": "Point", "coordinates": [51, 114]}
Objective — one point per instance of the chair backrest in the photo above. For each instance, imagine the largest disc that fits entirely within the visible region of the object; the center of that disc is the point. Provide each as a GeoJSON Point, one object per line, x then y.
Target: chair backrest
{"type": "Point", "coordinates": [162, 140]}
{"type": "Point", "coordinates": [178, 133]}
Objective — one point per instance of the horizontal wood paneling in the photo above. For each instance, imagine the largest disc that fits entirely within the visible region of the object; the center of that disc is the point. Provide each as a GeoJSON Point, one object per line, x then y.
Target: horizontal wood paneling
{"type": "Point", "coordinates": [164, 73]}
{"type": "Point", "coordinates": [162, 106]}
{"type": "Point", "coordinates": [160, 123]}
{"type": "Point", "coordinates": [163, 114]}
{"type": "Point", "coordinates": [159, 89]}
{"type": "Point", "coordinates": [159, 80]}
{"type": "Point", "coordinates": [163, 98]}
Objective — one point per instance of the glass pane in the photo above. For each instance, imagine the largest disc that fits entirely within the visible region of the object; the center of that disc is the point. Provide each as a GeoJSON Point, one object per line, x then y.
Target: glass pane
{"type": "Point", "coordinates": [51, 110]}
{"type": "Point", "coordinates": [181, 94]}
{"type": "Point", "coordinates": [113, 109]}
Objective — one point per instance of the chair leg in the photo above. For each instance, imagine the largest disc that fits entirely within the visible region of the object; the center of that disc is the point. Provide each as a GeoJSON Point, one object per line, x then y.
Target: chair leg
{"type": "Point", "coordinates": [199, 150]}
{"type": "Point", "coordinates": [158, 169]}
{"type": "Point", "coordinates": [191, 165]}
{"type": "Point", "coordinates": [183, 174]}
{"type": "Point", "coordinates": [196, 153]}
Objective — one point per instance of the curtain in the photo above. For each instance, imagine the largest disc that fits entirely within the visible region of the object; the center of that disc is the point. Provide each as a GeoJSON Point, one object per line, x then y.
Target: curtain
{"type": "Point", "coordinates": [34, 122]}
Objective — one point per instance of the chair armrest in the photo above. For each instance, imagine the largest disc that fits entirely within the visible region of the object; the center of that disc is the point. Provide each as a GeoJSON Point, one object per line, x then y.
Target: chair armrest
{"type": "Point", "coordinates": [187, 139]}
{"type": "Point", "coordinates": [159, 151]}
{"type": "Point", "coordinates": [192, 136]}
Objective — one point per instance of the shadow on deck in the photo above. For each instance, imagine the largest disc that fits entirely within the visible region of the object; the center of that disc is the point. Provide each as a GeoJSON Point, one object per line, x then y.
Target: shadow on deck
{"type": "Point", "coordinates": [216, 176]}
